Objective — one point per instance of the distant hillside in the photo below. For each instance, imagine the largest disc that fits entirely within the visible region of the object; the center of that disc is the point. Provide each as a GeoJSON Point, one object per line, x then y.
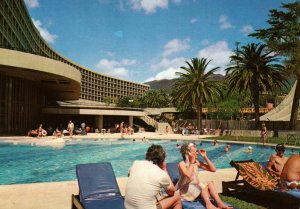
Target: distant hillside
{"type": "Point", "coordinates": [167, 84]}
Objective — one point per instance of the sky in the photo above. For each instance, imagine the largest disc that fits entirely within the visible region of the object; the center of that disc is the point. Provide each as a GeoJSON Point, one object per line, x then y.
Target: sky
{"type": "Point", "coordinates": [145, 40]}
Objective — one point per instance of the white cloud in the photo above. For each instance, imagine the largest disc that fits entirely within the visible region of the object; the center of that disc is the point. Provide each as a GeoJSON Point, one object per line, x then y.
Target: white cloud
{"type": "Point", "coordinates": [117, 72]}
{"type": "Point", "coordinates": [225, 24]}
{"type": "Point", "coordinates": [168, 63]}
{"type": "Point", "coordinates": [150, 6]}
{"type": "Point", "coordinates": [176, 45]}
{"type": "Point", "coordinates": [167, 68]}
{"type": "Point", "coordinates": [107, 64]}
{"type": "Point", "coordinates": [114, 67]}
{"type": "Point", "coordinates": [128, 62]}
{"type": "Point", "coordinates": [166, 74]}
{"type": "Point", "coordinates": [51, 38]}
{"type": "Point", "coordinates": [194, 20]}
{"type": "Point", "coordinates": [32, 3]}
{"type": "Point", "coordinates": [219, 53]}
{"type": "Point", "coordinates": [247, 29]}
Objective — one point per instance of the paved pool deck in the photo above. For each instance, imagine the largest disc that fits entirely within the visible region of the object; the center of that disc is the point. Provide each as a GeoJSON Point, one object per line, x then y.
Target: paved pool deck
{"type": "Point", "coordinates": [57, 195]}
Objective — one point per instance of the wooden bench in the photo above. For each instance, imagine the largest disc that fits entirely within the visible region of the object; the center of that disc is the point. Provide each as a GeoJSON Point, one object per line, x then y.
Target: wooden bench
{"type": "Point", "coordinates": [292, 139]}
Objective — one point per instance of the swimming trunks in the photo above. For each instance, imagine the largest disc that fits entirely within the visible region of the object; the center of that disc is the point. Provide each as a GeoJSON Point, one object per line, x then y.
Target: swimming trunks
{"type": "Point", "coordinates": [292, 184]}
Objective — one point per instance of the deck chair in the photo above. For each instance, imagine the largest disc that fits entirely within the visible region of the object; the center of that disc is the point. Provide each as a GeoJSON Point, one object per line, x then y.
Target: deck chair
{"type": "Point", "coordinates": [172, 169]}
{"type": "Point", "coordinates": [258, 183]}
{"type": "Point", "coordinates": [98, 188]}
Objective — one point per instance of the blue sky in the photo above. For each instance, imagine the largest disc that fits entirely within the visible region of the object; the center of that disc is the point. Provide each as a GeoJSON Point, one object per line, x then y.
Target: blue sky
{"type": "Point", "coordinates": [143, 40]}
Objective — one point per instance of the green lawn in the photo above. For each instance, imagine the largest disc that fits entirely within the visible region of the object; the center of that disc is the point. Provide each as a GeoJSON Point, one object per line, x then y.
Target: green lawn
{"type": "Point", "coordinates": [240, 203]}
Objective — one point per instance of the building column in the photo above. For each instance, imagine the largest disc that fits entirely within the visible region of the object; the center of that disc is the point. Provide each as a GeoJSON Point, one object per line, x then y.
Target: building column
{"type": "Point", "coordinates": [99, 122]}
{"type": "Point", "coordinates": [131, 121]}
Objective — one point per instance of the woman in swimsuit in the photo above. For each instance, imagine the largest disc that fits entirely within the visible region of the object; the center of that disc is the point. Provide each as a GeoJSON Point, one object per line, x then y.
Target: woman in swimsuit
{"type": "Point", "coordinates": [263, 133]}
{"type": "Point", "coordinates": [189, 185]}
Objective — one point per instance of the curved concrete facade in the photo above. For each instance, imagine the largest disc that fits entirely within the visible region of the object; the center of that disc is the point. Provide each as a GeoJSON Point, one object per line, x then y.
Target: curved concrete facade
{"type": "Point", "coordinates": [54, 76]}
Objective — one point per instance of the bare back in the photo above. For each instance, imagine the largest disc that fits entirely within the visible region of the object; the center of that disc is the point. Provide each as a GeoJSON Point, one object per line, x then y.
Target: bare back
{"type": "Point", "coordinates": [291, 169]}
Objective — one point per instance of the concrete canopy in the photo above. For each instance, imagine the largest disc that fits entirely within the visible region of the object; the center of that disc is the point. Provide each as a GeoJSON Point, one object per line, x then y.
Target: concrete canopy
{"type": "Point", "coordinates": [62, 80]}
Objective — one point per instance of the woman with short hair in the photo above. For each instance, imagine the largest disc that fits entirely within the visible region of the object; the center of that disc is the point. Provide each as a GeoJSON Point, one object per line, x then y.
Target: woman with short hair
{"type": "Point", "coordinates": [189, 185]}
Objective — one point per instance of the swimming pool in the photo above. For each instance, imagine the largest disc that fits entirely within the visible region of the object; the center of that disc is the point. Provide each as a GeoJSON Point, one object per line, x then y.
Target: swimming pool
{"type": "Point", "coordinates": [29, 164]}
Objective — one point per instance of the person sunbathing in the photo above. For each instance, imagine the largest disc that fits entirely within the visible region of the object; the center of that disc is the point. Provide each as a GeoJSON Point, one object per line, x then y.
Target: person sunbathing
{"type": "Point", "coordinates": [277, 161]}
{"type": "Point", "coordinates": [189, 186]}
{"type": "Point", "coordinates": [290, 175]}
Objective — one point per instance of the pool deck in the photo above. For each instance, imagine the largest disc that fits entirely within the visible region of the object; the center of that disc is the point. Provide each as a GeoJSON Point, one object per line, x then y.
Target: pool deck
{"type": "Point", "coordinates": [58, 194]}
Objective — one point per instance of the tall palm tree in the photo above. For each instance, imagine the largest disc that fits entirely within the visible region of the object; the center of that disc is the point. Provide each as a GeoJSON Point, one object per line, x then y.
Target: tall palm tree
{"type": "Point", "coordinates": [254, 69]}
{"type": "Point", "coordinates": [196, 87]}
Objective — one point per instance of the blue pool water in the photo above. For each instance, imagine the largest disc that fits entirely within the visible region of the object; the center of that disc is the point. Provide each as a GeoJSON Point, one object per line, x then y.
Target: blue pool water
{"type": "Point", "coordinates": [29, 164]}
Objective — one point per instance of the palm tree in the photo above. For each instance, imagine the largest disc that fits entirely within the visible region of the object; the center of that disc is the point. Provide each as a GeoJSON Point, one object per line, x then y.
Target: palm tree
{"type": "Point", "coordinates": [254, 69]}
{"type": "Point", "coordinates": [195, 87]}
{"type": "Point", "coordinates": [155, 98]}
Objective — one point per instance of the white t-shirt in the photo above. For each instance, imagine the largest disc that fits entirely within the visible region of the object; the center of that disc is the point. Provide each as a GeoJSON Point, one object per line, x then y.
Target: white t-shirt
{"type": "Point", "coordinates": [144, 183]}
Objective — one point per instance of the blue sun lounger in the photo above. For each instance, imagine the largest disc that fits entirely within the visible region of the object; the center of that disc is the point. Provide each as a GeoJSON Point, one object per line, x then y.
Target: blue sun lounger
{"type": "Point", "coordinates": [98, 188]}
{"type": "Point", "coordinates": [174, 174]}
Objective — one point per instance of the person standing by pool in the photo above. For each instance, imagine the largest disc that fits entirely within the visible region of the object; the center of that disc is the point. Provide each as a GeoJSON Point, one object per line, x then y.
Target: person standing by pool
{"type": "Point", "coordinates": [263, 133]}
{"type": "Point", "coordinates": [189, 185]}
{"type": "Point", "coordinates": [277, 161]}
{"type": "Point", "coordinates": [70, 128]}
{"type": "Point", "coordinates": [146, 179]}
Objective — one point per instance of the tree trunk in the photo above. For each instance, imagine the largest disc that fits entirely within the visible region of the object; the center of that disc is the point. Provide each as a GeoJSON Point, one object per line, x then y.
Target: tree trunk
{"type": "Point", "coordinates": [199, 118]}
{"type": "Point", "coordinates": [256, 109]}
{"type": "Point", "coordinates": [295, 106]}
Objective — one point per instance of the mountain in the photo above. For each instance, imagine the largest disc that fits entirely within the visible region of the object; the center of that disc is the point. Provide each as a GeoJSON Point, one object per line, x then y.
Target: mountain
{"type": "Point", "coordinates": [167, 84]}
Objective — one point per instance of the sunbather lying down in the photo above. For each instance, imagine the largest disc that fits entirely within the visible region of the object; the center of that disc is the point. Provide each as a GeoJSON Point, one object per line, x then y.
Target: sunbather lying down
{"type": "Point", "coordinates": [290, 176]}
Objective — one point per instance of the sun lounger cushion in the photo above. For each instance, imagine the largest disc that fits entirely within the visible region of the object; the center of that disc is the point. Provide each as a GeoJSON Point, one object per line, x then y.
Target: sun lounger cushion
{"type": "Point", "coordinates": [97, 181]}
{"type": "Point", "coordinates": [98, 186]}
{"type": "Point", "coordinates": [294, 192]}
{"type": "Point", "coordinates": [112, 203]}
{"type": "Point", "coordinates": [172, 169]}
{"type": "Point", "coordinates": [254, 174]}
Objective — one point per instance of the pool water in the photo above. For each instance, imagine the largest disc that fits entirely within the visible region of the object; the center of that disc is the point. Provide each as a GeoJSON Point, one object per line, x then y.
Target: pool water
{"type": "Point", "coordinates": [29, 164]}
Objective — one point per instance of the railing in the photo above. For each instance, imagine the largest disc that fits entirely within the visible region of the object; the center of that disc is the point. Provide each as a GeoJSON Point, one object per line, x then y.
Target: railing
{"type": "Point", "coordinates": [252, 110]}
{"type": "Point", "coordinates": [242, 110]}
{"type": "Point", "coordinates": [150, 121]}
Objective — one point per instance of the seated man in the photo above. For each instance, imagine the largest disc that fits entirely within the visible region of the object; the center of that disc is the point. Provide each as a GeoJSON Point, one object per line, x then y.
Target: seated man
{"type": "Point", "coordinates": [277, 161]}
{"type": "Point", "coordinates": [290, 175]}
{"type": "Point", "coordinates": [146, 179]}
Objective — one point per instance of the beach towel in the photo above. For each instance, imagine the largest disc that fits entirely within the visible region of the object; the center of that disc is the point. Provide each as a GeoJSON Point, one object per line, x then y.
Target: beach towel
{"type": "Point", "coordinates": [254, 174]}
